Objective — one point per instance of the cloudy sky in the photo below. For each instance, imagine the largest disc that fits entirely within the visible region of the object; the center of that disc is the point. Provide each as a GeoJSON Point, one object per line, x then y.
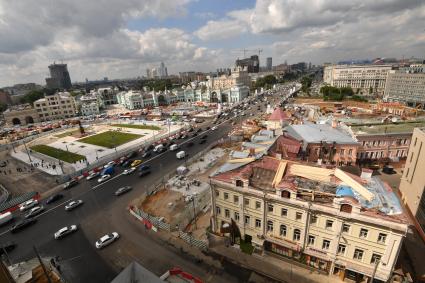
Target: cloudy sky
{"type": "Point", "coordinates": [121, 38]}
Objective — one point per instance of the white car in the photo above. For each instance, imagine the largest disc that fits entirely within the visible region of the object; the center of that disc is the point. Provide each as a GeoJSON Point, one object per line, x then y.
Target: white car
{"type": "Point", "coordinates": [106, 240]}
{"type": "Point", "coordinates": [214, 128]}
{"type": "Point", "coordinates": [103, 178]}
{"type": "Point", "coordinates": [34, 211]}
{"type": "Point", "coordinates": [73, 204]}
{"type": "Point", "coordinates": [28, 204]}
{"type": "Point", "coordinates": [129, 171]}
{"type": "Point", "coordinates": [93, 175]}
{"type": "Point", "coordinates": [109, 164]}
{"type": "Point", "coordinates": [65, 231]}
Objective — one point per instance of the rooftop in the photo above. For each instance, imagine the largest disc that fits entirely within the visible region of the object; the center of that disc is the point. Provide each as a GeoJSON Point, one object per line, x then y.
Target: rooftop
{"type": "Point", "coordinates": [316, 133]}
{"type": "Point", "coordinates": [387, 128]}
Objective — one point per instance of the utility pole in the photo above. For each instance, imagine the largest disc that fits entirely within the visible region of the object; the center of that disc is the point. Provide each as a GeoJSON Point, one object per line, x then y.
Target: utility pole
{"type": "Point", "coordinates": [194, 210]}
{"type": "Point", "coordinates": [26, 149]}
{"type": "Point", "coordinates": [374, 270]}
{"type": "Point", "coordinates": [42, 265]}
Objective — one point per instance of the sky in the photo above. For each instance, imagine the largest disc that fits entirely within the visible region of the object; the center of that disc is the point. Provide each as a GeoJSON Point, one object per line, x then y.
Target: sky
{"type": "Point", "coordinates": [121, 38]}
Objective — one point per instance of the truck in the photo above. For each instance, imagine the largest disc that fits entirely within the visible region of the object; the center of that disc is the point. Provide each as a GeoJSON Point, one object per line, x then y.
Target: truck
{"type": "Point", "coordinates": [109, 171]}
{"type": "Point", "coordinates": [6, 217]}
{"type": "Point", "coordinates": [181, 154]}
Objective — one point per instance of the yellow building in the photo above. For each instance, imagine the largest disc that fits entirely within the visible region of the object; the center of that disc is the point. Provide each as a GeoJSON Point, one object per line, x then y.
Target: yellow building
{"type": "Point", "coordinates": [60, 105]}
{"type": "Point", "coordinates": [345, 225]}
{"type": "Point", "coordinates": [238, 77]}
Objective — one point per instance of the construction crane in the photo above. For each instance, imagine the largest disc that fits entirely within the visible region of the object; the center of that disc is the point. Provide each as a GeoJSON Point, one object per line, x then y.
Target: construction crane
{"type": "Point", "coordinates": [249, 50]}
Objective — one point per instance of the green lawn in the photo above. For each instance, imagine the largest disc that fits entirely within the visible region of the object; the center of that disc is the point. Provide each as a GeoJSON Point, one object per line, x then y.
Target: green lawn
{"type": "Point", "coordinates": [58, 153]}
{"type": "Point", "coordinates": [67, 133]}
{"type": "Point", "coordinates": [110, 139]}
{"type": "Point", "coordinates": [141, 127]}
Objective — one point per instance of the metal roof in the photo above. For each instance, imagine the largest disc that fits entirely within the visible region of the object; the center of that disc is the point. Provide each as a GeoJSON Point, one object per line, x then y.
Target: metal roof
{"type": "Point", "coordinates": [315, 133]}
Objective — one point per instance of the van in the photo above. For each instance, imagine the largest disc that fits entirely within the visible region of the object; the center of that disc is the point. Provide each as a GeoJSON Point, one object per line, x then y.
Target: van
{"type": "Point", "coordinates": [181, 154]}
{"type": "Point", "coordinates": [158, 147]}
{"type": "Point", "coordinates": [5, 217]}
{"type": "Point", "coordinates": [174, 147]}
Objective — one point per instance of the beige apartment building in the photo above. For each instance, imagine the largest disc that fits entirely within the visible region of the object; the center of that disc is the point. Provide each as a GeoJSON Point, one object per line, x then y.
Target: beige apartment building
{"type": "Point", "coordinates": [412, 185]}
{"type": "Point", "coordinates": [60, 105]}
{"type": "Point", "coordinates": [406, 87]}
{"type": "Point", "coordinates": [345, 225]}
{"type": "Point", "coordinates": [239, 76]}
{"type": "Point", "coordinates": [362, 78]}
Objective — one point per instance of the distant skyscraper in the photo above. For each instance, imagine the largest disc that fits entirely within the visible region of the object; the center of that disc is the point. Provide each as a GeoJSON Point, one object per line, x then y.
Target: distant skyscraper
{"type": "Point", "coordinates": [162, 71]}
{"type": "Point", "coordinates": [253, 63]}
{"type": "Point", "coordinates": [269, 63]}
{"type": "Point", "coordinates": [59, 77]}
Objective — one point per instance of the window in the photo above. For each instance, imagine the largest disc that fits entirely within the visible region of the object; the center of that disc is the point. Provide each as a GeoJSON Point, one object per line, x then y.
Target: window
{"type": "Point", "coordinates": [285, 194]}
{"type": "Point", "coordinates": [363, 233]}
{"type": "Point", "coordinates": [226, 213]}
{"type": "Point", "coordinates": [313, 219]}
{"type": "Point", "coordinates": [236, 199]}
{"type": "Point", "coordinates": [311, 240]}
{"type": "Point", "coordinates": [218, 210]}
{"type": "Point", "coordinates": [342, 152]}
{"type": "Point", "coordinates": [326, 244]}
{"type": "Point", "coordinates": [246, 202]}
{"type": "Point", "coordinates": [358, 254]}
{"type": "Point", "coordinates": [382, 238]}
{"type": "Point", "coordinates": [247, 220]}
{"type": "Point", "coordinates": [226, 195]}
{"type": "Point", "coordinates": [298, 215]}
{"type": "Point", "coordinates": [236, 216]}
{"type": "Point", "coordinates": [270, 208]}
{"type": "Point", "coordinates": [297, 235]}
{"type": "Point", "coordinates": [345, 208]}
{"type": "Point", "coordinates": [329, 224]}
{"type": "Point", "coordinates": [217, 193]}
{"type": "Point", "coordinates": [257, 205]}
{"type": "Point", "coordinates": [269, 226]}
{"type": "Point", "coordinates": [345, 228]}
{"type": "Point", "coordinates": [341, 249]}
{"type": "Point", "coordinates": [376, 258]}
{"type": "Point", "coordinates": [258, 223]}
{"type": "Point", "coordinates": [350, 152]}
{"type": "Point", "coordinates": [239, 183]}
{"type": "Point", "coordinates": [283, 230]}
{"type": "Point", "coordinates": [284, 212]}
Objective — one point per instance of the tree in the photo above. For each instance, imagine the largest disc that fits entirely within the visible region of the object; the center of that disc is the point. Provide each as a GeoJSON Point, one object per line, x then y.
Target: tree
{"type": "Point", "coordinates": [32, 96]}
{"type": "Point", "coordinates": [347, 91]}
{"type": "Point", "coordinates": [3, 107]}
{"type": "Point", "coordinates": [267, 82]}
{"type": "Point", "coordinates": [306, 84]}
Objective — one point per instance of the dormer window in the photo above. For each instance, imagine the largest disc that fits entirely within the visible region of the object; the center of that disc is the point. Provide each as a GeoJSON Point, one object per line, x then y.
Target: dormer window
{"type": "Point", "coordinates": [285, 194]}
{"type": "Point", "coordinates": [346, 208]}
{"type": "Point", "coordinates": [239, 183]}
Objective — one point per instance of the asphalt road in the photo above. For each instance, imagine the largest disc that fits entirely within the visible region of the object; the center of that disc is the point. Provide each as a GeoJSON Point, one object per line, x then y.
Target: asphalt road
{"type": "Point", "coordinates": [78, 257]}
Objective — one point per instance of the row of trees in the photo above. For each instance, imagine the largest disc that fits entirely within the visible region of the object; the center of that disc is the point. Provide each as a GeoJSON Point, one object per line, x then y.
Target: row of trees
{"type": "Point", "coordinates": [157, 85]}
{"type": "Point", "coordinates": [306, 82]}
{"type": "Point", "coordinates": [266, 82]}
{"type": "Point", "coordinates": [339, 93]}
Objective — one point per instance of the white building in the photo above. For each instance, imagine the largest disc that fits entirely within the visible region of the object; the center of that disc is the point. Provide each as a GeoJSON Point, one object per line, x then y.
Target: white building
{"type": "Point", "coordinates": [361, 78]}
{"type": "Point", "coordinates": [91, 104]}
{"type": "Point", "coordinates": [60, 105]}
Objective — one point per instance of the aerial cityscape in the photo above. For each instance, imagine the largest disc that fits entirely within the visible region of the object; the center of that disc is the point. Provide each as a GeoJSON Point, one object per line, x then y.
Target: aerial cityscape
{"type": "Point", "coordinates": [212, 141]}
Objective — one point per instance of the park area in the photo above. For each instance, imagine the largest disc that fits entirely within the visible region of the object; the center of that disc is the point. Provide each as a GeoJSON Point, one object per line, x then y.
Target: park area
{"type": "Point", "coordinates": [110, 139]}
{"type": "Point", "coordinates": [140, 127]}
{"type": "Point", "coordinates": [58, 153]}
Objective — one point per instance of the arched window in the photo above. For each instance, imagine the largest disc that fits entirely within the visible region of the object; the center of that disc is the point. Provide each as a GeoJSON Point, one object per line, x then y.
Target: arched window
{"type": "Point", "coordinates": [269, 226]}
{"type": "Point", "coordinates": [285, 194]}
{"type": "Point", "coordinates": [297, 235]}
{"type": "Point", "coordinates": [346, 208]}
{"type": "Point", "coordinates": [283, 230]}
{"type": "Point", "coordinates": [239, 183]}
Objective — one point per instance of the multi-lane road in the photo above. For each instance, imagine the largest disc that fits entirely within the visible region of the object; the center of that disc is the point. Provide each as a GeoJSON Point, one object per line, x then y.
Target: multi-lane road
{"type": "Point", "coordinates": [103, 212]}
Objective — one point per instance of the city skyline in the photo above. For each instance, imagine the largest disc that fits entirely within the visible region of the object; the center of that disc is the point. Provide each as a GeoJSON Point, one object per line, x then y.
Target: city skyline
{"type": "Point", "coordinates": [131, 36]}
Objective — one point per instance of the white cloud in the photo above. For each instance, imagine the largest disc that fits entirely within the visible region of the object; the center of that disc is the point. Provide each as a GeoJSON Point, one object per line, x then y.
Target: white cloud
{"type": "Point", "coordinates": [218, 30]}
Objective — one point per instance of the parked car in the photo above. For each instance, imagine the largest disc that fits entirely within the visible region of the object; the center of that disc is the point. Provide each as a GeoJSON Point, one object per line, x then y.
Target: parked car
{"type": "Point", "coordinates": [106, 240]}
{"type": "Point", "coordinates": [70, 184]}
{"type": "Point", "coordinates": [214, 128]}
{"type": "Point", "coordinates": [388, 169]}
{"type": "Point", "coordinates": [146, 154]}
{"type": "Point", "coordinates": [161, 150]}
{"type": "Point", "coordinates": [73, 204]}
{"type": "Point", "coordinates": [6, 217]}
{"type": "Point", "coordinates": [22, 225]}
{"type": "Point", "coordinates": [93, 175]}
{"type": "Point", "coordinates": [103, 178]}
{"type": "Point", "coordinates": [54, 198]}
{"type": "Point", "coordinates": [174, 147]}
{"type": "Point", "coordinates": [28, 204]}
{"type": "Point", "coordinates": [127, 163]}
{"type": "Point", "coordinates": [65, 231]}
{"type": "Point", "coordinates": [109, 164]}
{"type": "Point", "coordinates": [150, 147]}
{"type": "Point", "coordinates": [136, 162]}
{"type": "Point", "coordinates": [144, 170]}
{"type": "Point", "coordinates": [123, 190]}
{"type": "Point", "coordinates": [34, 211]}
{"type": "Point", "coordinates": [7, 246]}
{"type": "Point", "coordinates": [132, 154]}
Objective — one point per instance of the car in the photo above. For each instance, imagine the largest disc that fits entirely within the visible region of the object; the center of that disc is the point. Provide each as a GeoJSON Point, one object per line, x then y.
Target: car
{"type": "Point", "coordinates": [103, 178]}
{"type": "Point", "coordinates": [150, 147]}
{"type": "Point", "coordinates": [183, 137]}
{"type": "Point", "coordinates": [144, 170]}
{"type": "Point", "coordinates": [7, 247]}
{"type": "Point", "coordinates": [28, 204]}
{"type": "Point", "coordinates": [204, 137]}
{"type": "Point", "coordinates": [123, 190]}
{"type": "Point", "coordinates": [388, 170]}
{"type": "Point", "coordinates": [161, 150]}
{"type": "Point", "coordinates": [199, 130]}
{"type": "Point", "coordinates": [203, 141]}
{"type": "Point", "coordinates": [129, 171]}
{"type": "Point", "coordinates": [73, 204]}
{"type": "Point", "coordinates": [70, 184]}
{"type": "Point", "coordinates": [34, 211]}
{"type": "Point", "coordinates": [127, 163]}
{"type": "Point", "coordinates": [132, 154]}
{"type": "Point", "coordinates": [109, 164]}
{"type": "Point", "coordinates": [214, 128]}
{"type": "Point", "coordinates": [65, 231]}
{"type": "Point", "coordinates": [92, 175]}
{"type": "Point", "coordinates": [194, 135]}
{"type": "Point", "coordinates": [208, 128]}
{"type": "Point", "coordinates": [189, 144]}
{"type": "Point", "coordinates": [122, 160]}
{"type": "Point", "coordinates": [146, 154]}
{"type": "Point", "coordinates": [107, 240]}
{"type": "Point", "coordinates": [136, 162]}
{"type": "Point", "coordinates": [54, 198]}
{"type": "Point", "coordinates": [22, 225]}
{"type": "Point", "coordinates": [190, 130]}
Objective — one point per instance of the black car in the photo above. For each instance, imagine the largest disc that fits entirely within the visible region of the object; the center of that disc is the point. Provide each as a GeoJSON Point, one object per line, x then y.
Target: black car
{"type": "Point", "coordinates": [54, 198]}
{"type": "Point", "coordinates": [203, 141]}
{"type": "Point", "coordinates": [194, 135]}
{"type": "Point", "coordinates": [199, 130]}
{"type": "Point", "coordinates": [204, 137]}
{"type": "Point", "coordinates": [190, 144]}
{"type": "Point", "coordinates": [123, 160]}
{"type": "Point", "coordinates": [70, 184]}
{"type": "Point", "coordinates": [144, 170]}
{"type": "Point", "coordinates": [150, 147]}
{"type": "Point", "coordinates": [22, 225]}
{"type": "Point", "coordinates": [8, 247]}
{"type": "Point", "coordinates": [127, 163]}
{"type": "Point", "coordinates": [146, 154]}
{"type": "Point", "coordinates": [132, 154]}
{"type": "Point", "coordinates": [208, 128]}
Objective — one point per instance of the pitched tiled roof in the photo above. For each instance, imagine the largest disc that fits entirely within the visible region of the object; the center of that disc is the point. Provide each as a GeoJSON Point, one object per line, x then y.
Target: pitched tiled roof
{"type": "Point", "coordinates": [278, 115]}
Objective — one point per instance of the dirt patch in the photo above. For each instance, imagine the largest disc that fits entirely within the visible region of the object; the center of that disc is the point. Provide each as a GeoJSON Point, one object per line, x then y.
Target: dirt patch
{"type": "Point", "coordinates": [165, 203]}
{"type": "Point", "coordinates": [200, 228]}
